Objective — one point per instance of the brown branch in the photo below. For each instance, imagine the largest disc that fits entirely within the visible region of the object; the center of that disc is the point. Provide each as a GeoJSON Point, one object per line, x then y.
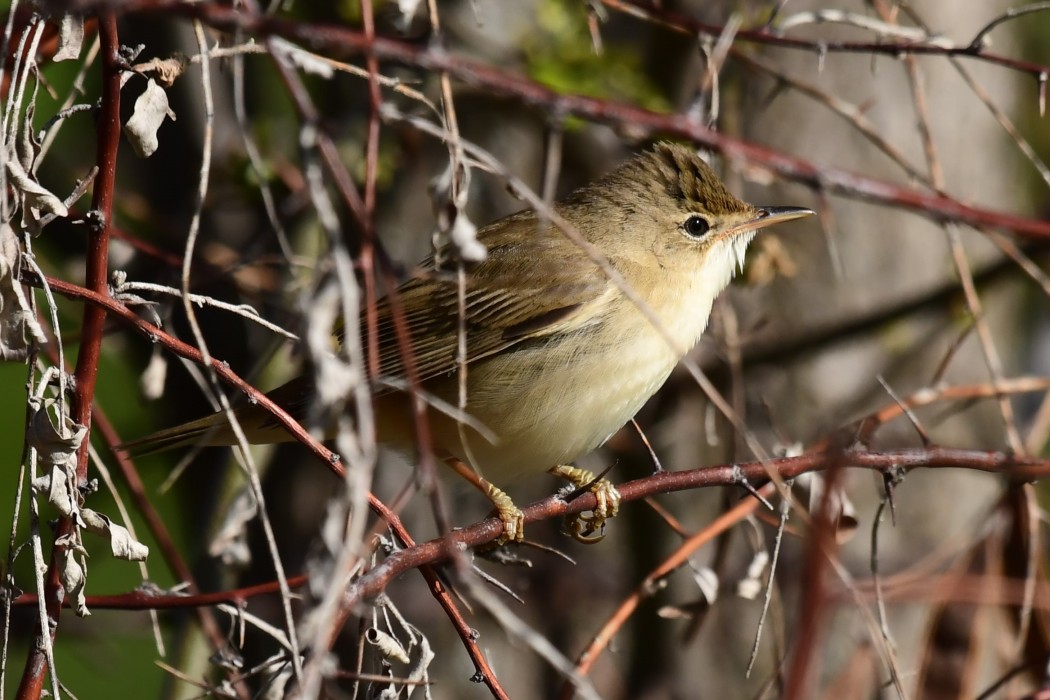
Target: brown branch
{"type": "Point", "coordinates": [170, 553]}
{"type": "Point", "coordinates": [893, 49]}
{"type": "Point", "coordinates": [342, 41]}
{"type": "Point", "coordinates": [94, 318]}
{"type": "Point", "coordinates": [438, 589]}
{"type": "Point", "coordinates": [648, 586]}
{"type": "Point", "coordinates": [804, 665]}
{"type": "Point", "coordinates": [486, 531]}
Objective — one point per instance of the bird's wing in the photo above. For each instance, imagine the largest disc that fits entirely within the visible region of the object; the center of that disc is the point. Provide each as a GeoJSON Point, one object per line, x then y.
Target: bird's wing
{"type": "Point", "coordinates": [530, 286]}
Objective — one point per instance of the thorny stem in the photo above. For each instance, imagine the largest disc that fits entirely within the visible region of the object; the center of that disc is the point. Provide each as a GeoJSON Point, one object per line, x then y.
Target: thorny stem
{"type": "Point", "coordinates": [108, 131]}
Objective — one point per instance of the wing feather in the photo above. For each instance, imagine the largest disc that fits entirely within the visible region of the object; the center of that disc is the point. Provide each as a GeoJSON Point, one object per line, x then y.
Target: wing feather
{"type": "Point", "coordinates": [509, 298]}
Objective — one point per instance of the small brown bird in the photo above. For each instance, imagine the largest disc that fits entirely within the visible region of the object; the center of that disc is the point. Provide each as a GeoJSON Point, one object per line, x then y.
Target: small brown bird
{"type": "Point", "coordinates": [558, 357]}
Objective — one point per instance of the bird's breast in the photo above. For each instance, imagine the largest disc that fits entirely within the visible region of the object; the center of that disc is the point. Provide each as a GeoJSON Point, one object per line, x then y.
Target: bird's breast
{"type": "Point", "coordinates": [551, 402]}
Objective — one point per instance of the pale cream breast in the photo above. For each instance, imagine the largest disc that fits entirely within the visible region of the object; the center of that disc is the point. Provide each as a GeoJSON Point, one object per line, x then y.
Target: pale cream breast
{"type": "Point", "coordinates": [564, 404]}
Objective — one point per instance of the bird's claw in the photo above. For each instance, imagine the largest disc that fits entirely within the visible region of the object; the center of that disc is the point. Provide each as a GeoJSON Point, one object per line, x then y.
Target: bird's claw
{"type": "Point", "coordinates": [589, 528]}
{"type": "Point", "coordinates": [510, 515]}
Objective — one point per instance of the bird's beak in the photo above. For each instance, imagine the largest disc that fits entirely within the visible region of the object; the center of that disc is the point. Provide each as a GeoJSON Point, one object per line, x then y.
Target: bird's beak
{"type": "Point", "coordinates": [767, 216]}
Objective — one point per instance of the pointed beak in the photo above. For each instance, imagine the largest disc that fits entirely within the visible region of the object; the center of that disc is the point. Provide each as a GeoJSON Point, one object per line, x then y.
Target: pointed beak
{"type": "Point", "coordinates": [767, 216]}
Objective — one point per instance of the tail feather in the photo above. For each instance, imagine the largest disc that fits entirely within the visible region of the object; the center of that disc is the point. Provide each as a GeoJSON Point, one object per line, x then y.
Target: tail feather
{"type": "Point", "coordinates": [209, 431]}
{"type": "Point", "coordinates": [214, 431]}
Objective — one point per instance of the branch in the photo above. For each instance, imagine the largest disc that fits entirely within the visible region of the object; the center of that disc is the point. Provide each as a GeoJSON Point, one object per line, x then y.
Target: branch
{"type": "Point", "coordinates": [484, 532]}
{"type": "Point", "coordinates": [934, 457]}
{"type": "Point", "coordinates": [342, 41]}
{"type": "Point", "coordinates": [108, 140]}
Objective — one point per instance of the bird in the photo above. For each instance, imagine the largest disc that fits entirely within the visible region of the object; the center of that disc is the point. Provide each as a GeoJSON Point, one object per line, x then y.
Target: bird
{"type": "Point", "coordinates": [558, 355]}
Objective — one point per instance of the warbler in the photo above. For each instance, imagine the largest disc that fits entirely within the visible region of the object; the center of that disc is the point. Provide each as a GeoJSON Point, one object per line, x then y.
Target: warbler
{"type": "Point", "coordinates": [558, 356]}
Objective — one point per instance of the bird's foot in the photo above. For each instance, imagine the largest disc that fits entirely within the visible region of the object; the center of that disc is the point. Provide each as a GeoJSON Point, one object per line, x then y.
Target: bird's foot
{"type": "Point", "coordinates": [589, 528]}
{"type": "Point", "coordinates": [510, 515]}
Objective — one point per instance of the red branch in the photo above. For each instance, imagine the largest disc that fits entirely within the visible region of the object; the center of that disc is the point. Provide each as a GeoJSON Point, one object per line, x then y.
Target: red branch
{"type": "Point", "coordinates": [437, 551]}
{"type": "Point", "coordinates": [440, 592]}
{"type": "Point", "coordinates": [894, 49]}
{"type": "Point", "coordinates": [345, 42]}
{"type": "Point", "coordinates": [108, 130]}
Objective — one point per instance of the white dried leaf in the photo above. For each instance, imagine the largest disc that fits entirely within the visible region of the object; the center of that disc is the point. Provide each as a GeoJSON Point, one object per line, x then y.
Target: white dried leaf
{"type": "Point", "coordinates": [150, 110]}
{"type": "Point", "coordinates": [16, 317]}
{"type": "Point", "coordinates": [408, 9]}
{"type": "Point", "coordinates": [121, 543]}
{"type": "Point", "coordinates": [276, 684]}
{"type": "Point", "coordinates": [336, 378]}
{"type": "Point", "coordinates": [453, 225]}
{"type": "Point", "coordinates": [386, 645]}
{"type": "Point", "coordinates": [425, 656]}
{"type": "Point", "coordinates": [151, 383]}
{"type": "Point", "coordinates": [751, 585]}
{"type": "Point", "coordinates": [464, 237]}
{"type": "Point", "coordinates": [55, 446]}
{"type": "Point", "coordinates": [707, 581]}
{"type": "Point", "coordinates": [165, 70]}
{"type": "Point", "coordinates": [70, 37]}
{"type": "Point", "coordinates": [37, 199]}
{"type": "Point", "coordinates": [230, 543]}
{"type": "Point", "coordinates": [73, 576]}
{"type": "Point", "coordinates": [291, 55]}
{"type": "Point", "coordinates": [843, 512]}
{"type": "Point", "coordinates": [61, 494]}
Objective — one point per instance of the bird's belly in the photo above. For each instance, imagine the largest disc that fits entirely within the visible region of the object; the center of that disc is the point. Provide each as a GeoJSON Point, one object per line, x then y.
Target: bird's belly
{"type": "Point", "coordinates": [545, 414]}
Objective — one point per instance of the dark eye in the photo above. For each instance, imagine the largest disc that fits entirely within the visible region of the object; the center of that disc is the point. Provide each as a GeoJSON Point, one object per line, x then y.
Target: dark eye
{"type": "Point", "coordinates": [696, 226]}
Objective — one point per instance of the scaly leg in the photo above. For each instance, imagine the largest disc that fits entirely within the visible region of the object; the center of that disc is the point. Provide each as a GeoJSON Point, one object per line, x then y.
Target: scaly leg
{"type": "Point", "coordinates": [582, 527]}
{"type": "Point", "coordinates": [509, 514]}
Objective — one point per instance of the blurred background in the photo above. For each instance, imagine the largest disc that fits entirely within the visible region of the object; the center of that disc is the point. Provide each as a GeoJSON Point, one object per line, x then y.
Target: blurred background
{"type": "Point", "coordinates": [830, 316]}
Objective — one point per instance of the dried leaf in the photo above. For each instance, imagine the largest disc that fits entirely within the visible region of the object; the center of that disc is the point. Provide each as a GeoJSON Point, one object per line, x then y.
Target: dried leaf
{"type": "Point", "coordinates": [150, 110]}
{"type": "Point", "coordinates": [55, 446]}
{"type": "Point", "coordinates": [408, 9]}
{"type": "Point", "coordinates": [36, 199]}
{"type": "Point", "coordinates": [454, 228]}
{"type": "Point", "coordinates": [230, 543]}
{"type": "Point", "coordinates": [121, 543]}
{"type": "Point", "coordinates": [73, 575]}
{"type": "Point", "coordinates": [386, 645]}
{"type": "Point", "coordinates": [165, 70]}
{"type": "Point", "coordinates": [151, 383]}
{"type": "Point", "coordinates": [16, 316]}
{"type": "Point", "coordinates": [769, 259]}
{"type": "Point", "coordinates": [61, 494]}
{"type": "Point", "coordinates": [464, 236]}
{"type": "Point", "coordinates": [753, 584]}
{"type": "Point", "coordinates": [843, 513]}
{"type": "Point", "coordinates": [70, 37]}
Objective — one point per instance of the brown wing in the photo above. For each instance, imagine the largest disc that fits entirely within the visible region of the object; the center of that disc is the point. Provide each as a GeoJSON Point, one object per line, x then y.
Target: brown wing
{"type": "Point", "coordinates": [529, 286]}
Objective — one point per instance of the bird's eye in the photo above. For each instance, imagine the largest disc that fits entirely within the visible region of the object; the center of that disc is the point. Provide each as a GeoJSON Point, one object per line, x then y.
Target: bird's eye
{"type": "Point", "coordinates": [696, 226]}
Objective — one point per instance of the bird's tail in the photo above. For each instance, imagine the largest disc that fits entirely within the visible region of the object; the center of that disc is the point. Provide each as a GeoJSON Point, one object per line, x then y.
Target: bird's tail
{"type": "Point", "coordinates": [213, 430]}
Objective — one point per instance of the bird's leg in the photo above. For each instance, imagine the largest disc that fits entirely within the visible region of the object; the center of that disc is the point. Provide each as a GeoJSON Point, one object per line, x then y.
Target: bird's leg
{"type": "Point", "coordinates": [510, 515]}
{"type": "Point", "coordinates": [583, 527]}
